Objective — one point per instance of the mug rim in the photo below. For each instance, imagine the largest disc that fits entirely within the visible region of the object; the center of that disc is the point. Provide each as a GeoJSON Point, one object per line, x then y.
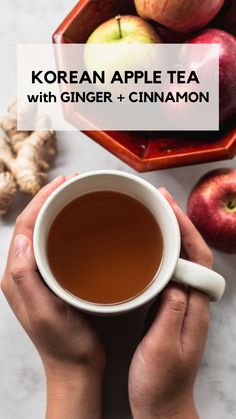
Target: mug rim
{"type": "Point", "coordinates": [96, 308]}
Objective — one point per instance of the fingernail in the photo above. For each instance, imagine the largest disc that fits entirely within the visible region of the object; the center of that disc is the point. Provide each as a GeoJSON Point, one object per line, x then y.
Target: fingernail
{"type": "Point", "coordinates": [164, 191]}
{"type": "Point", "coordinates": [57, 179]}
{"type": "Point", "coordinates": [20, 244]}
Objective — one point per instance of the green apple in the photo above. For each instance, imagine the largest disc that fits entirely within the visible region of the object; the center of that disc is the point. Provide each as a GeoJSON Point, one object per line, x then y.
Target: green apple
{"type": "Point", "coordinates": [124, 29]}
{"type": "Point", "coordinates": [119, 45]}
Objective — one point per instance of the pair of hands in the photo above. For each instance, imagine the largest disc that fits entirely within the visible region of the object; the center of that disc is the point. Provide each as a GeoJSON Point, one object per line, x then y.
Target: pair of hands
{"type": "Point", "coordinates": [165, 363]}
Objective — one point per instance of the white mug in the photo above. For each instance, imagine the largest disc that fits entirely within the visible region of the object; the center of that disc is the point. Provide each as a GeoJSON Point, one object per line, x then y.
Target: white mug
{"type": "Point", "coordinates": [172, 267]}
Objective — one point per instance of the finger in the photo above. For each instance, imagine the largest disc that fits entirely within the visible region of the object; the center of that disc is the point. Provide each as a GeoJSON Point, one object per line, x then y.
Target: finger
{"type": "Point", "coordinates": [168, 323]}
{"type": "Point", "coordinates": [25, 225]}
{"type": "Point", "coordinates": [28, 216]}
{"type": "Point", "coordinates": [196, 322]}
{"type": "Point", "coordinates": [26, 221]}
{"type": "Point", "coordinates": [24, 279]}
{"type": "Point", "coordinates": [192, 241]}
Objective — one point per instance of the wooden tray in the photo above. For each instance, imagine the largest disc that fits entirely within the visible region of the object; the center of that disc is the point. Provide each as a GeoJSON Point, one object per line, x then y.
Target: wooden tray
{"type": "Point", "coordinates": [143, 151]}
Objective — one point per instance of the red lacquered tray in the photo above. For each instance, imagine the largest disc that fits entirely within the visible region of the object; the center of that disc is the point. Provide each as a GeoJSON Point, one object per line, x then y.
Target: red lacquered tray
{"type": "Point", "coordinates": [143, 151]}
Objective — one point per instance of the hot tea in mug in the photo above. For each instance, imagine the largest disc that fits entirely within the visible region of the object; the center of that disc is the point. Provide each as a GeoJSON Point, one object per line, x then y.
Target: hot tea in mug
{"type": "Point", "coordinates": [105, 247]}
{"type": "Point", "coordinates": [107, 242]}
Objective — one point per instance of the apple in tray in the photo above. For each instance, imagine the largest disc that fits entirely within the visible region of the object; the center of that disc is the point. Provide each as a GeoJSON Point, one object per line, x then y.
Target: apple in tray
{"type": "Point", "coordinates": [212, 208]}
{"type": "Point", "coordinates": [124, 30]}
{"type": "Point", "coordinates": [119, 31]}
{"type": "Point", "coordinates": [179, 15]}
{"type": "Point", "coordinates": [227, 67]}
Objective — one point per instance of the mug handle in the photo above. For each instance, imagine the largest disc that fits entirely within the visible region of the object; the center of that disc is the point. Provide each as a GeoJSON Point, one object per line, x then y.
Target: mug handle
{"type": "Point", "coordinates": [200, 277]}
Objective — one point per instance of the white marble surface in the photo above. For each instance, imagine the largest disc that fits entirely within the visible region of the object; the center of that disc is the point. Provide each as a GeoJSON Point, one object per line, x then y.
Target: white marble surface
{"type": "Point", "coordinates": [22, 387]}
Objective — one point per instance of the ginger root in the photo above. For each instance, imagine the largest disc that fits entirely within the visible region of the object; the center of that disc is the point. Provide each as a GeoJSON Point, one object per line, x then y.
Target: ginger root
{"type": "Point", "coordinates": [9, 124]}
{"type": "Point", "coordinates": [24, 158]}
{"type": "Point", "coordinates": [30, 163]}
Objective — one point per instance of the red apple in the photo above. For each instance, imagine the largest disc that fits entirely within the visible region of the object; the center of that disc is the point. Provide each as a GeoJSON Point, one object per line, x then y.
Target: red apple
{"type": "Point", "coordinates": [179, 15]}
{"type": "Point", "coordinates": [226, 18]}
{"type": "Point", "coordinates": [212, 208]}
{"type": "Point", "coordinates": [227, 67]}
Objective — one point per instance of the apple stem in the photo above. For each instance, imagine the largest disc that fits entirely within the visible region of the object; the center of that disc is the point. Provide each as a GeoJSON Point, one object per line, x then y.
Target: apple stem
{"type": "Point", "coordinates": [232, 204]}
{"type": "Point", "coordinates": [118, 19]}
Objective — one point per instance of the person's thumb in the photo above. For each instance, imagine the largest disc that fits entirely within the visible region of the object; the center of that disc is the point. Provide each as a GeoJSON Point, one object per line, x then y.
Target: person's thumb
{"type": "Point", "coordinates": [167, 325]}
{"type": "Point", "coordinates": [23, 270]}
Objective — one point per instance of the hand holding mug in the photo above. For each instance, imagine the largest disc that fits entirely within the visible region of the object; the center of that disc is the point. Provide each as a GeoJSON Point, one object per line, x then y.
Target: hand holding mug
{"type": "Point", "coordinates": [146, 195]}
{"type": "Point", "coordinates": [165, 364]}
{"type": "Point", "coordinates": [71, 352]}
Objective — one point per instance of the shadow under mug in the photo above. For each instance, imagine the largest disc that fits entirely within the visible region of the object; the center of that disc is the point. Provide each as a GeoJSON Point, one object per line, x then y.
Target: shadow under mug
{"type": "Point", "coordinates": [172, 267]}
